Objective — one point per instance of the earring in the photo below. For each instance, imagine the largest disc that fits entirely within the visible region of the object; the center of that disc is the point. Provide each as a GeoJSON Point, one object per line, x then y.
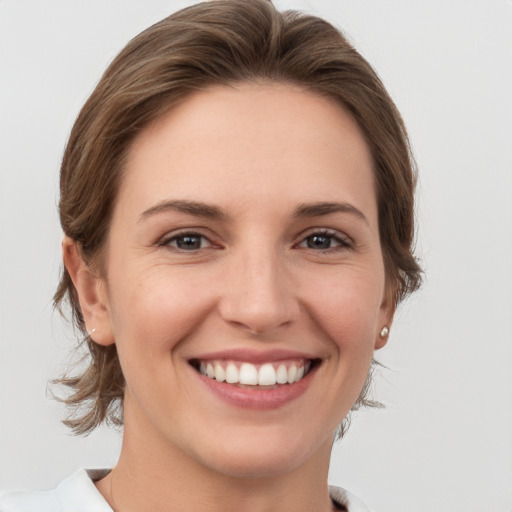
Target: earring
{"type": "Point", "coordinates": [91, 332]}
{"type": "Point", "coordinates": [384, 332]}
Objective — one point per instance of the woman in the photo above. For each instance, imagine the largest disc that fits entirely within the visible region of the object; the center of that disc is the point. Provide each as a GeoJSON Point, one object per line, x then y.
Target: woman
{"type": "Point", "coordinates": [237, 203]}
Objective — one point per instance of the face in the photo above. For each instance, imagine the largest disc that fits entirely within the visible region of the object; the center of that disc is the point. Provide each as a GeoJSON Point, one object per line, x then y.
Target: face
{"type": "Point", "coordinates": [244, 283]}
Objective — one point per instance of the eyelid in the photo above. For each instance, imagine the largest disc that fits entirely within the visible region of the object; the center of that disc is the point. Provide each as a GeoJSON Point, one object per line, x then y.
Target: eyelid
{"type": "Point", "coordinates": [343, 238]}
{"type": "Point", "coordinates": [165, 240]}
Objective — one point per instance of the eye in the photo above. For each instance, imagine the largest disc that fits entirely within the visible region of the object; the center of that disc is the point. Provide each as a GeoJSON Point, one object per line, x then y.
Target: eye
{"type": "Point", "coordinates": [187, 242]}
{"type": "Point", "coordinates": [325, 240]}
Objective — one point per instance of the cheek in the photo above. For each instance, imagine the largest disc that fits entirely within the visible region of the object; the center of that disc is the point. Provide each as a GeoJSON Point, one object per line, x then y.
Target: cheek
{"type": "Point", "coordinates": [347, 310]}
{"type": "Point", "coordinates": [155, 311]}
{"type": "Point", "coordinates": [151, 317]}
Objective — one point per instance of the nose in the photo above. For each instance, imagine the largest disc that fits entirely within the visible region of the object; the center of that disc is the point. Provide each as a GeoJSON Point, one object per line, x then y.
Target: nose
{"type": "Point", "coordinates": [259, 294]}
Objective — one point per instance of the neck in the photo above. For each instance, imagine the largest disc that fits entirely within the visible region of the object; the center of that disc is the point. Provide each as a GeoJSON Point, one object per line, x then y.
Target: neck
{"type": "Point", "coordinates": [154, 475]}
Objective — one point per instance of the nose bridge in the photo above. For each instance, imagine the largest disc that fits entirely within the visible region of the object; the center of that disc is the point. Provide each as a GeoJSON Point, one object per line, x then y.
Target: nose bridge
{"type": "Point", "coordinates": [259, 296]}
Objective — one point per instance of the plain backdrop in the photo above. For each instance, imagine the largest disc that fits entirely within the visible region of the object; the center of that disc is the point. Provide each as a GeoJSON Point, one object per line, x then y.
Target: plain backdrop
{"type": "Point", "coordinates": [444, 441]}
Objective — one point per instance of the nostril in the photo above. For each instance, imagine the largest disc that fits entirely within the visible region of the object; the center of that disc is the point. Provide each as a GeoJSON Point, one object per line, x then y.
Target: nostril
{"type": "Point", "coordinates": [259, 321]}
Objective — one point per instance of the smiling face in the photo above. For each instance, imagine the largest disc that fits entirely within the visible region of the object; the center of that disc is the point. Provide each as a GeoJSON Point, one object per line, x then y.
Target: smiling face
{"type": "Point", "coordinates": [244, 284]}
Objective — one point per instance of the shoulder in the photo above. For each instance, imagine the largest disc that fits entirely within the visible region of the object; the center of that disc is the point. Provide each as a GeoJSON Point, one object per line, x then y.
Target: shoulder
{"type": "Point", "coordinates": [77, 493]}
{"type": "Point", "coordinates": [346, 499]}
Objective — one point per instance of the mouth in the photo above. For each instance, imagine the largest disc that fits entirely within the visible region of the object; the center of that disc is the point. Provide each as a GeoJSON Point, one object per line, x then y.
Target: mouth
{"type": "Point", "coordinates": [267, 375]}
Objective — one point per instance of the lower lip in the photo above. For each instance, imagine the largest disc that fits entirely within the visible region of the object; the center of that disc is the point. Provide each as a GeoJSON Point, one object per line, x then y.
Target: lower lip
{"type": "Point", "coordinates": [257, 397]}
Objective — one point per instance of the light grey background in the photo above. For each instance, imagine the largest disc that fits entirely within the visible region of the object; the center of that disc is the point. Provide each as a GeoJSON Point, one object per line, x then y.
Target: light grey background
{"type": "Point", "coordinates": [444, 443]}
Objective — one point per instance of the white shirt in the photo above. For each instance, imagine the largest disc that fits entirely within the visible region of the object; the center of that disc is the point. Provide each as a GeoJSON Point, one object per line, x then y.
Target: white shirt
{"type": "Point", "coordinates": [77, 493]}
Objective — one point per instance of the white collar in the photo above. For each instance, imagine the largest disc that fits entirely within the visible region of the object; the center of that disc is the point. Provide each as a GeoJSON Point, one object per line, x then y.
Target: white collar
{"type": "Point", "coordinates": [77, 493]}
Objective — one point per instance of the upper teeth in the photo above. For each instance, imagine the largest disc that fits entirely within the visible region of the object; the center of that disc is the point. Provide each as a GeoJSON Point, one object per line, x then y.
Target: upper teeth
{"type": "Point", "coordinates": [267, 374]}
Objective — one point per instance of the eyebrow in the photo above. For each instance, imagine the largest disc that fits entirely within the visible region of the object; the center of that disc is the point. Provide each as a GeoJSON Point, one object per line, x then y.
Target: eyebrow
{"type": "Point", "coordinates": [189, 207]}
{"type": "Point", "coordinates": [212, 212]}
{"type": "Point", "coordinates": [319, 209]}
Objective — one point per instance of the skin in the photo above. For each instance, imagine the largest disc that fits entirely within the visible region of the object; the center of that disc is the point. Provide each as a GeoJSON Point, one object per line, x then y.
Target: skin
{"type": "Point", "coordinates": [254, 280]}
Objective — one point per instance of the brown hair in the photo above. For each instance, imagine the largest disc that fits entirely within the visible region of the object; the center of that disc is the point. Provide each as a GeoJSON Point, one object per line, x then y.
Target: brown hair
{"type": "Point", "coordinates": [218, 43]}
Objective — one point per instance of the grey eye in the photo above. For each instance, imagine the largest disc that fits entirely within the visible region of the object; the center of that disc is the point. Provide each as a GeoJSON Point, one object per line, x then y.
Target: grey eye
{"type": "Point", "coordinates": [188, 242]}
{"type": "Point", "coordinates": [319, 241]}
{"type": "Point", "coordinates": [325, 241]}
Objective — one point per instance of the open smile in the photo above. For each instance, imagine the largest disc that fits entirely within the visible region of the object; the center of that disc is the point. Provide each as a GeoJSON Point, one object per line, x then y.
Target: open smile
{"type": "Point", "coordinates": [256, 385]}
{"type": "Point", "coordinates": [249, 374]}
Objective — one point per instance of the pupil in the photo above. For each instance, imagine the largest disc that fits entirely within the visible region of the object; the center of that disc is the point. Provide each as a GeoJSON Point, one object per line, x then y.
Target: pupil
{"type": "Point", "coordinates": [319, 242]}
{"type": "Point", "coordinates": [189, 242]}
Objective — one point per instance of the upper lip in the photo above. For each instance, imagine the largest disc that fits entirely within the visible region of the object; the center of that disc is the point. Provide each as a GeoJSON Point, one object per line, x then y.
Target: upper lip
{"type": "Point", "coordinates": [254, 356]}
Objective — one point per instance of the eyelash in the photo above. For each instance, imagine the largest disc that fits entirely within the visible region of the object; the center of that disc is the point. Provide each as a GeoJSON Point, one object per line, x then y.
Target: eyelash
{"type": "Point", "coordinates": [167, 241]}
{"type": "Point", "coordinates": [343, 242]}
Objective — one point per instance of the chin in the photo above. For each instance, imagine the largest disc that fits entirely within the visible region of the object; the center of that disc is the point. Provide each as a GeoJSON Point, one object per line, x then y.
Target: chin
{"type": "Point", "coordinates": [262, 456]}
{"type": "Point", "coordinates": [250, 466]}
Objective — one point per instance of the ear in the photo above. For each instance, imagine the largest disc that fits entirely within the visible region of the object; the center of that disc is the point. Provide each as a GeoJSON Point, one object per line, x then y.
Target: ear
{"type": "Point", "coordinates": [92, 293]}
{"type": "Point", "coordinates": [385, 319]}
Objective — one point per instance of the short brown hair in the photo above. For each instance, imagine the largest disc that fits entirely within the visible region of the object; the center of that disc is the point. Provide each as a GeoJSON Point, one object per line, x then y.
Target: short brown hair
{"type": "Point", "coordinates": [218, 43]}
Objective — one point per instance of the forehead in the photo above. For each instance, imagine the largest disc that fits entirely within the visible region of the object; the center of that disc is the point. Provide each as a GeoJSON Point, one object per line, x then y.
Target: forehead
{"type": "Point", "coordinates": [258, 143]}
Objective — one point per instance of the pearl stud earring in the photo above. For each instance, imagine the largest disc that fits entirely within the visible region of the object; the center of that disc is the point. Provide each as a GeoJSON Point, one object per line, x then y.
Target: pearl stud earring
{"type": "Point", "coordinates": [384, 332]}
